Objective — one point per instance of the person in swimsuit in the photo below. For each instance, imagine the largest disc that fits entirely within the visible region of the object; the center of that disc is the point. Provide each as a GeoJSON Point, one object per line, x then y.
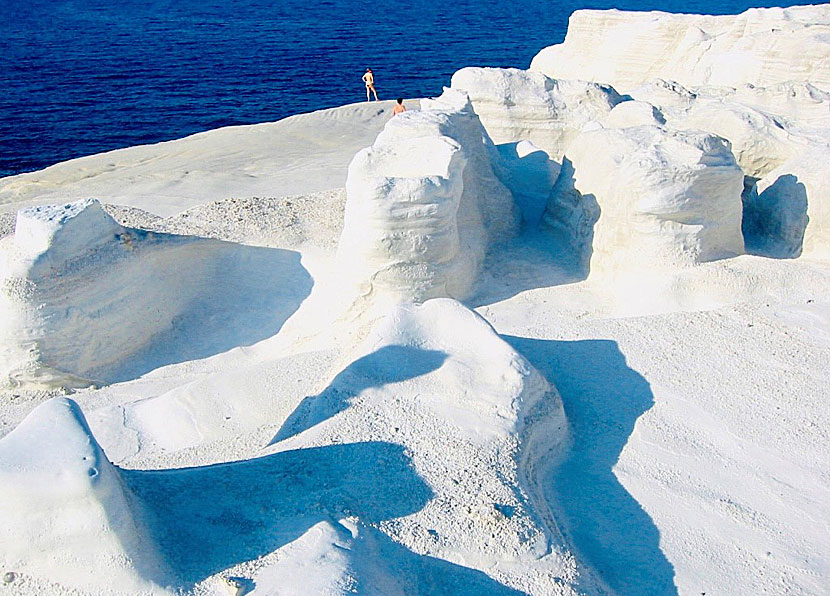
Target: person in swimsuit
{"type": "Point", "coordinates": [369, 79]}
{"type": "Point", "coordinates": [399, 107]}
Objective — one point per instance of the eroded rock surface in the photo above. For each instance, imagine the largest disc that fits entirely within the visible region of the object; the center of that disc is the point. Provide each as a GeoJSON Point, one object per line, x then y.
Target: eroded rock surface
{"type": "Point", "coordinates": [67, 516]}
{"type": "Point", "coordinates": [646, 198]}
{"type": "Point", "coordinates": [762, 46]}
{"type": "Point", "coordinates": [424, 205]}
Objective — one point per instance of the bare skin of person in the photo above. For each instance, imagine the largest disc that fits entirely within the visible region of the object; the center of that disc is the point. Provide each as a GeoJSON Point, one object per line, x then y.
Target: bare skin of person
{"type": "Point", "coordinates": [399, 107]}
{"type": "Point", "coordinates": [369, 79]}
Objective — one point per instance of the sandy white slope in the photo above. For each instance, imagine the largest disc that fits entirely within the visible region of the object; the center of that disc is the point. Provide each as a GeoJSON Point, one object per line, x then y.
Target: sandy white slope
{"type": "Point", "coordinates": [262, 160]}
{"type": "Point", "coordinates": [663, 434]}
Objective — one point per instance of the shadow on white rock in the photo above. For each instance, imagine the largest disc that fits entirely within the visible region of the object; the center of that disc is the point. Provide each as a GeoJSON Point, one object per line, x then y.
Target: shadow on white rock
{"type": "Point", "coordinates": [484, 429]}
{"type": "Point", "coordinates": [83, 298]}
{"type": "Point", "coordinates": [787, 213]}
{"type": "Point", "coordinates": [529, 173]}
{"type": "Point", "coordinates": [340, 558]}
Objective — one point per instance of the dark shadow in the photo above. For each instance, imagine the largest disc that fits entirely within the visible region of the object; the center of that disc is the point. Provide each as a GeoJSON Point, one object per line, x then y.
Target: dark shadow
{"type": "Point", "coordinates": [389, 364]}
{"type": "Point", "coordinates": [210, 518]}
{"type": "Point", "coordinates": [774, 221]}
{"type": "Point", "coordinates": [529, 176]}
{"type": "Point", "coordinates": [430, 576]}
{"type": "Point", "coordinates": [607, 527]}
{"type": "Point", "coordinates": [252, 292]}
{"type": "Point", "coordinates": [557, 252]}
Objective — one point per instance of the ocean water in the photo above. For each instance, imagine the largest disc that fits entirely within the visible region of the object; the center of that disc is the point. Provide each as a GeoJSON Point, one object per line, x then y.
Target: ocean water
{"type": "Point", "coordinates": [79, 77]}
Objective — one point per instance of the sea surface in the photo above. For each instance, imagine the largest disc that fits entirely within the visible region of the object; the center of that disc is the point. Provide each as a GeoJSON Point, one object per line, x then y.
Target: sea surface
{"type": "Point", "coordinates": [79, 77]}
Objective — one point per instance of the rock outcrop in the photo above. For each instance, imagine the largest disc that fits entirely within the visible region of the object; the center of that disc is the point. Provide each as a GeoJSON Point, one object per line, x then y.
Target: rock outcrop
{"type": "Point", "coordinates": [760, 140]}
{"type": "Point", "coordinates": [84, 299]}
{"type": "Point", "coordinates": [424, 205]}
{"type": "Point", "coordinates": [762, 46]}
{"type": "Point", "coordinates": [77, 292]}
{"type": "Point", "coordinates": [67, 516]}
{"type": "Point", "coordinates": [519, 105]}
{"type": "Point", "coordinates": [760, 79]}
{"type": "Point", "coordinates": [648, 198]}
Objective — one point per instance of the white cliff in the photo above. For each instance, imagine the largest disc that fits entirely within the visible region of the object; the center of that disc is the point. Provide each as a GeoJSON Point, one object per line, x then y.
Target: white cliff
{"type": "Point", "coordinates": [762, 46]}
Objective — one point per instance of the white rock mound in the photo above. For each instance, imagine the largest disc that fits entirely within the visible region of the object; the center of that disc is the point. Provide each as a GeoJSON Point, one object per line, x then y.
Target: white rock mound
{"type": "Point", "coordinates": [519, 105]}
{"type": "Point", "coordinates": [761, 140]}
{"type": "Point", "coordinates": [634, 113]}
{"type": "Point", "coordinates": [66, 515]}
{"type": "Point", "coordinates": [504, 426]}
{"type": "Point", "coordinates": [424, 205]}
{"type": "Point", "coordinates": [648, 198]}
{"type": "Point", "coordinates": [762, 46]}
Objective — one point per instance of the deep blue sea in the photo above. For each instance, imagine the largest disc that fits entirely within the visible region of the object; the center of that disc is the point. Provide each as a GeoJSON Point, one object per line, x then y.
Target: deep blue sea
{"type": "Point", "coordinates": [83, 76]}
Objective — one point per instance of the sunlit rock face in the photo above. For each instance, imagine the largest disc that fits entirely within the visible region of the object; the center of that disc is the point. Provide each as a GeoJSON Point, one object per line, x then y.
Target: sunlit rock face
{"type": "Point", "coordinates": [424, 205]}
{"type": "Point", "coordinates": [647, 198]}
{"type": "Point", "coordinates": [762, 46]}
{"type": "Point", "coordinates": [761, 136]}
{"type": "Point", "coordinates": [517, 105]}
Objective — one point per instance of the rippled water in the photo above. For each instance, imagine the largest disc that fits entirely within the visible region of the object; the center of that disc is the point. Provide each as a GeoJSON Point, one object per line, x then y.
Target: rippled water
{"type": "Point", "coordinates": [82, 76]}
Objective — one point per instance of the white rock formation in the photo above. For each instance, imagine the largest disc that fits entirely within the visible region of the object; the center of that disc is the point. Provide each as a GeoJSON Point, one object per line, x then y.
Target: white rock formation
{"type": "Point", "coordinates": [505, 427]}
{"type": "Point", "coordinates": [659, 199]}
{"type": "Point", "coordinates": [782, 132]}
{"type": "Point", "coordinates": [76, 292]}
{"type": "Point", "coordinates": [788, 214]}
{"type": "Point", "coordinates": [81, 297]}
{"type": "Point", "coordinates": [634, 113]}
{"type": "Point", "coordinates": [67, 516]}
{"type": "Point", "coordinates": [760, 141]}
{"type": "Point", "coordinates": [517, 105]}
{"type": "Point", "coordinates": [762, 46]}
{"type": "Point", "coordinates": [745, 79]}
{"type": "Point", "coordinates": [424, 205]}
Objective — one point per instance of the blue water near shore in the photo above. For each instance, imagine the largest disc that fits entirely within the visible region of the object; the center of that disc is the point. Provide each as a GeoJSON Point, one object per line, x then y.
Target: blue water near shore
{"type": "Point", "coordinates": [79, 77]}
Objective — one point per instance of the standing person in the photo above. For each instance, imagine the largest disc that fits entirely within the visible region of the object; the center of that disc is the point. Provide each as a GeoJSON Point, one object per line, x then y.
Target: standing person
{"type": "Point", "coordinates": [399, 107]}
{"type": "Point", "coordinates": [369, 79]}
